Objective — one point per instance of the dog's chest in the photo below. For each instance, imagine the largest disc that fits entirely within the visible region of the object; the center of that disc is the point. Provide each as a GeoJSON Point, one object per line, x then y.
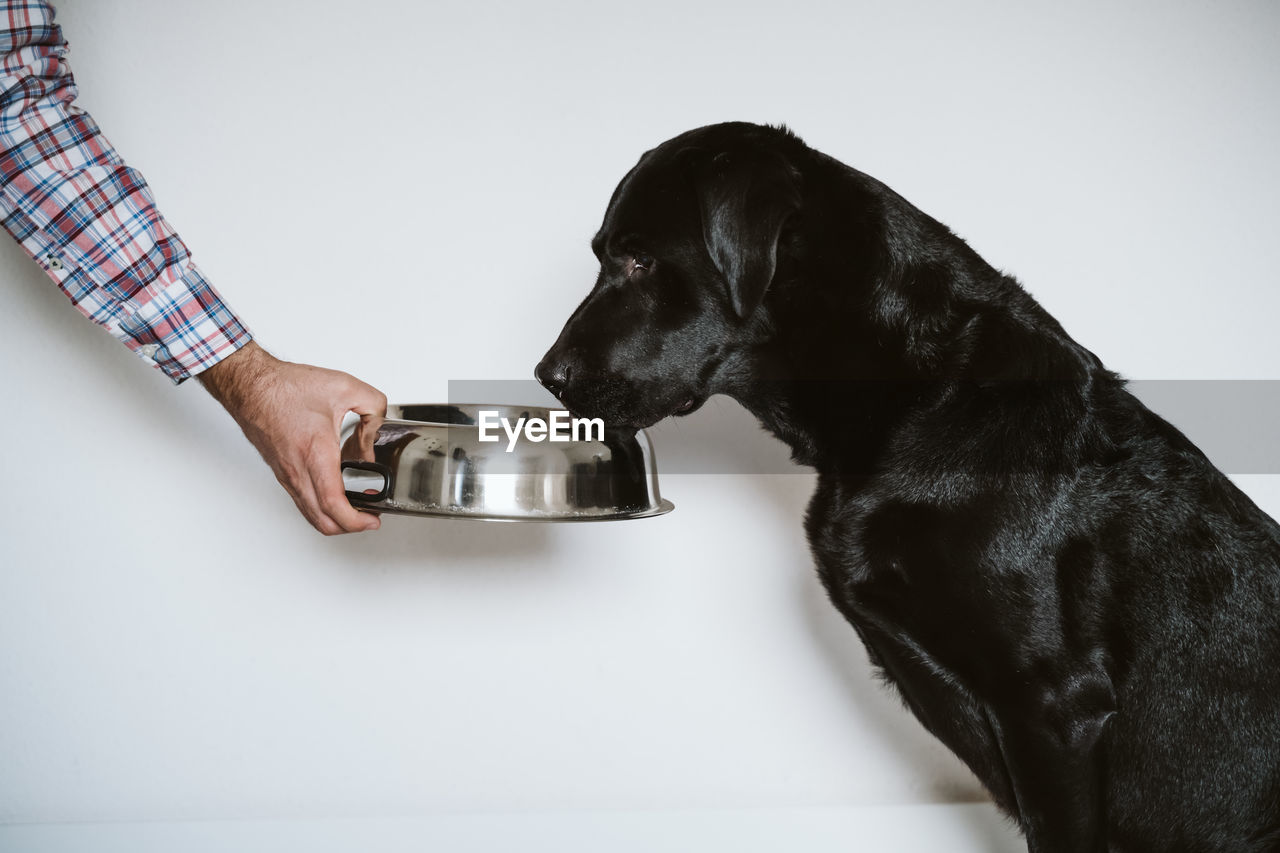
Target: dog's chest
{"type": "Point", "coordinates": [917, 572]}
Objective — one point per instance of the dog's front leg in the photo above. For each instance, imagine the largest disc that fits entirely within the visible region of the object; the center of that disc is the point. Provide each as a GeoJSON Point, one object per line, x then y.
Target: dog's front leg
{"type": "Point", "coordinates": [1050, 747]}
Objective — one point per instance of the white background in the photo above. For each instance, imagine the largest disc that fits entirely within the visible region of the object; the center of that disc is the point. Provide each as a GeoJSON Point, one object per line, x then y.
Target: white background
{"type": "Point", "coordinates": [406, 191]}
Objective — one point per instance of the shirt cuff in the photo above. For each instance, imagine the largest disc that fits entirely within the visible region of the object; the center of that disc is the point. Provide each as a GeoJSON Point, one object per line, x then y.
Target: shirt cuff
{"type": "Point", "coordinates": [185, 328]}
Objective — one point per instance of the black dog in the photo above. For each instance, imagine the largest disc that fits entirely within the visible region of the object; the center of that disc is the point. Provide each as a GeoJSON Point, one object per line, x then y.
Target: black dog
{"type": "Point", "coordinates": [1061, 586]}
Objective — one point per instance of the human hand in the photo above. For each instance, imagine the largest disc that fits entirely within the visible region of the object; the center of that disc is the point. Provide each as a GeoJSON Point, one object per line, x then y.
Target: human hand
{"type": "Point", "coordinates": [292, 414]}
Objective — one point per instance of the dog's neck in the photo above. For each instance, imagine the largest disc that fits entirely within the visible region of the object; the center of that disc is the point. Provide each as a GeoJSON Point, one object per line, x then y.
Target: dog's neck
{"type": "Point", "coordinates": [859, 335]}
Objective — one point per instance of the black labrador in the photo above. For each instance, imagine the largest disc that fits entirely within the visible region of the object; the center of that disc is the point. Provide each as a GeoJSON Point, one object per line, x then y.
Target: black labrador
{"type": "Point", "coordinates": [1061, 586]}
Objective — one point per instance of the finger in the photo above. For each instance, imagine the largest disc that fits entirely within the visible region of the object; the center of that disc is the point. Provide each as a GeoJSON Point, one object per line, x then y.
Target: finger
{"type": "Point", "coordinates": [303, 492]}
{"type": "Point", "coordinates": [326, 479]}
{"type": "Point", "coordinates": [367, 433]}
{"type": "Point", "coordinates": [352, 395]}
{"type": "Point", "coordinates": [368, 401]}
{"type": "Point", "coordinates": [338, 511]}
{"type": "Point", "coordinates": [371, 405]}
{"type": "Point", "coordinates": [360, 442]}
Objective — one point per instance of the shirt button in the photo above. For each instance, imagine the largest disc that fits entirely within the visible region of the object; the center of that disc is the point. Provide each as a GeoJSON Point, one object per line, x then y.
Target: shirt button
{"type": "Point", "coordinates": [55, 263]}
{"type": "Point", "coordinates": [148, 350]}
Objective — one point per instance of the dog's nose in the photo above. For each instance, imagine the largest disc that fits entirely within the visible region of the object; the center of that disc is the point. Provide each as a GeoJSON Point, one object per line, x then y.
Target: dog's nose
{"type": "Point", "coordinates": [554, 375]}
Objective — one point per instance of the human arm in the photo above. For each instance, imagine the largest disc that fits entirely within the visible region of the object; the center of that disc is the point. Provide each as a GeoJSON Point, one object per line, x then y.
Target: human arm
{"type": "Point", "coordinates": [90, 221]}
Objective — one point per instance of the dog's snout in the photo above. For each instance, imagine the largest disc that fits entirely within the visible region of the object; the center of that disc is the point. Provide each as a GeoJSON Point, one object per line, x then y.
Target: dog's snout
{"type": "Point", "coordinates": [554, 374]}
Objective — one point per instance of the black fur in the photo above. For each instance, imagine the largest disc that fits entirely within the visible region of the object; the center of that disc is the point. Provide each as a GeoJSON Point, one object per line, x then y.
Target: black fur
{"type": "Point", "coordinates": [1061, 586]}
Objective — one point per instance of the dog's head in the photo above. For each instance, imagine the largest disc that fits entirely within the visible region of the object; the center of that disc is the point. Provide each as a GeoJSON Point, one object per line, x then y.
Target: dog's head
{"type": "Point", "coordinates": [688, 250]}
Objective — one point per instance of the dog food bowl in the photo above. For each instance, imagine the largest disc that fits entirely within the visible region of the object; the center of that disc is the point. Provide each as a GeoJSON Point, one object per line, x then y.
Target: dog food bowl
{"type": "Point", "coordinates": [430, 460]}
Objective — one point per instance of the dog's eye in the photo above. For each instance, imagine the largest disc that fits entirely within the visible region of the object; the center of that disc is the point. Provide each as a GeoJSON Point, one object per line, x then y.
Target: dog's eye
{"type": "Point", "coordinates": [639, 262]}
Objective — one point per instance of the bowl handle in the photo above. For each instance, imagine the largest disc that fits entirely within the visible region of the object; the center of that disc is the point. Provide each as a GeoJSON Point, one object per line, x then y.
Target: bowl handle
{"type": "Point", "coordinates": [375, 467]}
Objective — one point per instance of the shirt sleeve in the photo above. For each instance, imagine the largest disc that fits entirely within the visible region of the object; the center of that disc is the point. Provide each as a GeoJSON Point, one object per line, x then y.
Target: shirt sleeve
{"type": "Point", "coordinates": [89, 219]}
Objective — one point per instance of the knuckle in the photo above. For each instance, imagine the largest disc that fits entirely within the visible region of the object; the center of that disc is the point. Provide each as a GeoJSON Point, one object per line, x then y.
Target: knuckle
{"type": "Point", "coordinates": [334, 505]}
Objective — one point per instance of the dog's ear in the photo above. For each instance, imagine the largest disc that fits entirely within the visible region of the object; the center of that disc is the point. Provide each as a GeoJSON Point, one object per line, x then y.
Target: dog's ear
{"type": "Point", "coordinates": [746, 198]}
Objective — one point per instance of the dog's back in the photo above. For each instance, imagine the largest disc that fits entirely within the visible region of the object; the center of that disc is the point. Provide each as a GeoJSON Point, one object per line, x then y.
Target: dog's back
{"type": "Point", "coordinates": [1194, 752]}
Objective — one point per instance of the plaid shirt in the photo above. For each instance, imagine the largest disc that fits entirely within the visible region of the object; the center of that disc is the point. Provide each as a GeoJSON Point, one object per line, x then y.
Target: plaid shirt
{"type": "Point", "coordinates": [88, 219]}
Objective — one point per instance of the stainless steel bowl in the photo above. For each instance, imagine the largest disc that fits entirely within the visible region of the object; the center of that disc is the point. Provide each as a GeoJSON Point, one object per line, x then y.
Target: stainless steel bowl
{"type": "Point", "coordinates": [429, 460]}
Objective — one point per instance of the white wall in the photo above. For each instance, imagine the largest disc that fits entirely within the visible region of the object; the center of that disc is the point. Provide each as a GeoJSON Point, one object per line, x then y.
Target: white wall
{"type": "Point", "coordinates": [405, 191]}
